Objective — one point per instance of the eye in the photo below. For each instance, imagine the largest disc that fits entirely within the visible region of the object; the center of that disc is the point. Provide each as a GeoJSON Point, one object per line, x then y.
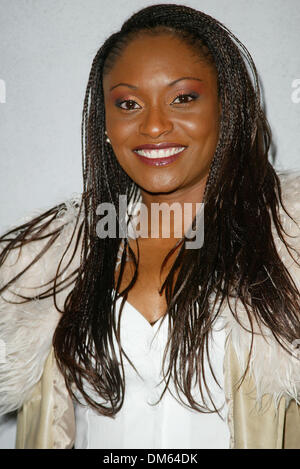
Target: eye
{"type": "Point", "coordinates": [127, 104]}
{"type": "Point", "coordinates": [185, 98]}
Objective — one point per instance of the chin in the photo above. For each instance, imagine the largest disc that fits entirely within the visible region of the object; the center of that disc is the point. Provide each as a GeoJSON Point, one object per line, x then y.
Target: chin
{"type": "Point", "coordinates": [159, 189]}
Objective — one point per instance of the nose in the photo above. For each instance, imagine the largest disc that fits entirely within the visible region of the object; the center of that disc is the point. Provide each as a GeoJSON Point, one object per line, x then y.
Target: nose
{"type": "Point", "coordinates": [155, 122]}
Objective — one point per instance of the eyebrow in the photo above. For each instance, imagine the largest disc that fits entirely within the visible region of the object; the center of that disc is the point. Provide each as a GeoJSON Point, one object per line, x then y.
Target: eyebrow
{"type": "Point", "coordinates": [170, 84]}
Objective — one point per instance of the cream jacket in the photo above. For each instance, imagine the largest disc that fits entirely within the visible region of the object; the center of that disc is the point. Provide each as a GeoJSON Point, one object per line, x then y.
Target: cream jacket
{"type": "Point", "coordinates": [262, 413]}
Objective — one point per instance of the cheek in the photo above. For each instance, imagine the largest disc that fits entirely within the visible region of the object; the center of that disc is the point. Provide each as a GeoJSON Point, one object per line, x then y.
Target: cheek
{"type": "Point", "coordinates": [116, 128]}
{"type": "Point", "coordinates": [120, 130]}
{"type": "Point", "coordinates": [200, 127]}
{"type": "Point", "coordinates": [120, 133]}
{"type": "Point", "coordinates": [202, 124]}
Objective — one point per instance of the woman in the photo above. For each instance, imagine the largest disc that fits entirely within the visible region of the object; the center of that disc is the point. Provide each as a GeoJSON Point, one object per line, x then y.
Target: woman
{"type": "Point", "coordinates": [154, 344]}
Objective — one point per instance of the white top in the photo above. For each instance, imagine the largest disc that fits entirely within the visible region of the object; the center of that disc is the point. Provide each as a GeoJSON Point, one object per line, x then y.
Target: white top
{"type": "Point", "coordinates": [168, 424]}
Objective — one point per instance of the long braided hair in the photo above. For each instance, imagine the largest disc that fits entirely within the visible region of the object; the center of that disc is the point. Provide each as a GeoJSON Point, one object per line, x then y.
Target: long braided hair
{"type": "Point", "coordinates": [242, 192]}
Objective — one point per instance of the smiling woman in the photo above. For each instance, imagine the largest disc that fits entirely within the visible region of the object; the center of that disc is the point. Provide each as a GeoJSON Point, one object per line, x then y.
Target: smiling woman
{"type": "Point", "coordinates": [162, 121]}
{"type": "Point", "coordinates": [170, 100]}
{"type": "Point", "coordinates": [140, 341]}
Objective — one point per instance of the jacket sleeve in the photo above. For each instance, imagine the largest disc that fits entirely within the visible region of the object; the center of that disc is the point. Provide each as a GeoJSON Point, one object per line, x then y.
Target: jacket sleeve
{"type": "Point", "coordinates": [285, 378]}
{"type": "Point", "coordinates": [47, 419]}
{"type": "Point", "coordinates": [278, 373]}
{"type": "Point", "coordinates": [26, 329]}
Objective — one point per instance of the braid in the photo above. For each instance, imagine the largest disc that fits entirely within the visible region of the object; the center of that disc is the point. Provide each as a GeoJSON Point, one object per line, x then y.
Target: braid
{"type": "Point", "coordinates": [199, 29]}
{"type": "Point", "coordinates": [241, 191]}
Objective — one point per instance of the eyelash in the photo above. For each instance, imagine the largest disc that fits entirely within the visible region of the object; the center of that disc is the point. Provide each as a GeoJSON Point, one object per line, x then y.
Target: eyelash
{"type": "Point", "coordinates": [194, 96]}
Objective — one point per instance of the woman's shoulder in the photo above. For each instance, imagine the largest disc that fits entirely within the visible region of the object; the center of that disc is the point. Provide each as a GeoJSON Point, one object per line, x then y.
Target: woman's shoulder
{"type": "Point", "coordinates": [286, 380]}
{"type": "Point", "coordinates": [26, 328]}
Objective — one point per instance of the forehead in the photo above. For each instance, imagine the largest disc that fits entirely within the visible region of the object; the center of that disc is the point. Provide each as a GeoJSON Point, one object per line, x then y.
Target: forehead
{"type": "Point", "coordinates": [147, 57]}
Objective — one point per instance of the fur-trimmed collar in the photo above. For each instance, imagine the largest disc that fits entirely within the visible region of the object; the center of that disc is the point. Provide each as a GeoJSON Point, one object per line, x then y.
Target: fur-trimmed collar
{"type": "Point", "coordinates": [26, 330]}
{"type": "Point", "coordinates": [274, 370]}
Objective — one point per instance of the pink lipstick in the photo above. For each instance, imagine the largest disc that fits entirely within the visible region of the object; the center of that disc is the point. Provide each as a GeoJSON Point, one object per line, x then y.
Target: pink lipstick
{"type": "Point", "coordinates": [160, 154]}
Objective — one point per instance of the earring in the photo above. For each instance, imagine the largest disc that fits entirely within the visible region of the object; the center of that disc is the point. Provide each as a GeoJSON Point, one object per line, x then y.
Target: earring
{"type": "Point", "coordinates": [107, 139]}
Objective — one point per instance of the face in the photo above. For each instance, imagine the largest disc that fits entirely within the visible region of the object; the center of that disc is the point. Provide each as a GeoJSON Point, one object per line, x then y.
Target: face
{"type": "Point", "coordinates": [159, 93]}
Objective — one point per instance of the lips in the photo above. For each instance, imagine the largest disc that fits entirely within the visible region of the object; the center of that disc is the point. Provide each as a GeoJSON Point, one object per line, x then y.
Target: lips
{"type": "Point", "coordinates": [157, 146]}
{"type": "Point", "coordinates": [159, 156]}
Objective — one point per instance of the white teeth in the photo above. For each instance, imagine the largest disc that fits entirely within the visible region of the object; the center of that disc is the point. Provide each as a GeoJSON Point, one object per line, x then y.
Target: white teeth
{"type": "Point", "coordinates": [162, 153]}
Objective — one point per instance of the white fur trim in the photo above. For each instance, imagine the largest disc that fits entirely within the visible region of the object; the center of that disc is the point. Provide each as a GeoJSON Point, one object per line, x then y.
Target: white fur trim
{"type": "Point", "coordinates": [274, 371]}
{"type": "Point", "coordinates": [26, 330]}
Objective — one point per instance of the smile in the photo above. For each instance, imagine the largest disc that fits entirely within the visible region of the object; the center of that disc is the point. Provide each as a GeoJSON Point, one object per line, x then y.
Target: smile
{"type": "Point", "coordinates": [161, 153]}
{"type": "Point", "coordinates": [161, 157]}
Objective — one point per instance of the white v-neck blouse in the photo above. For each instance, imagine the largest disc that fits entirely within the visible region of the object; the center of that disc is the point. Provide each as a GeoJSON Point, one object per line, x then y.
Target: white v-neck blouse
{"type": "Point", "coordinates": [141, 423]}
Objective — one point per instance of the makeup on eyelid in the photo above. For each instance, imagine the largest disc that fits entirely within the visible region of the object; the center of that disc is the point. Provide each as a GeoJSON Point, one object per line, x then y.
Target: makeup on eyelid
{"type": "Point", "coordinates": [187, 94]}
{"type": "Point", "coordinates": [196, 90]}
{"type": "Point", "coordinates": [143, 110]}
